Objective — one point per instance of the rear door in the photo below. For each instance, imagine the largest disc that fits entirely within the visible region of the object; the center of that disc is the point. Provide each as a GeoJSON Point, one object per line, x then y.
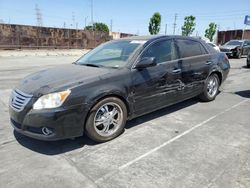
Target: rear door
{"type": "Point", "coordinates": [158, 86]}
{"type": "Point", "coordinates": [195, 64]}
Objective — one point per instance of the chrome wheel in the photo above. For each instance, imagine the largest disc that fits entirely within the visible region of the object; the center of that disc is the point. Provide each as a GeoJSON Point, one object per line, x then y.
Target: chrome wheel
{"type": "Point", "coordinates": [108, 119]}
{"type": "Point", "coordinates": [212, 86]}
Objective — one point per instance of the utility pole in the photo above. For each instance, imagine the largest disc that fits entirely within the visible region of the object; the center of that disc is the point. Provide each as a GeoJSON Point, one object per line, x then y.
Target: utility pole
{"type": "Point", "coordinates": [92, 14]}
{"type": "Point", "coordinates": [175, 18]}
{"type": "Point", "coordinates": [217, 38]}
{"type": "Point", "coordinates": [38, 16]}
{"type": "Point", "coordinates": [166, 29]}
{"type": "Point", "coordinates": [73, 20]}
{"type": "Point", "coordinates": [111, 25]}
{"type": "Point", "coordinates": [197, 33]}
{"type": "Point", "coordinates": [86, 20]}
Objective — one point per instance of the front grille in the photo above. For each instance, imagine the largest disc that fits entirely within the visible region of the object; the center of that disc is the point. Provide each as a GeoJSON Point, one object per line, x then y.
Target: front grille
{"type": "Point", "coordinates": [19, 100]}
{"type": "Point", "coordinates": [224, 50]}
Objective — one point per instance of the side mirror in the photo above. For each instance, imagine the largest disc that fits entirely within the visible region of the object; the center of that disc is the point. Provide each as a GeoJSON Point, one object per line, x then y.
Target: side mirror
{"type": "Point", "coordinates": [146, 62]}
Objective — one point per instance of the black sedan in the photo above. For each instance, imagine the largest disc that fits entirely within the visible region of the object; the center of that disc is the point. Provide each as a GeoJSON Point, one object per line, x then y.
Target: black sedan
{"type": "Point", "coordinates": [236, 48]}
{"type": "Point", "coordinates": [113, 83]}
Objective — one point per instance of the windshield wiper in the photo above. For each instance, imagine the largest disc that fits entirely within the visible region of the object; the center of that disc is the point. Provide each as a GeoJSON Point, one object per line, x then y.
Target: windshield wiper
{"type": "Point", "coordinates": [91, 65]}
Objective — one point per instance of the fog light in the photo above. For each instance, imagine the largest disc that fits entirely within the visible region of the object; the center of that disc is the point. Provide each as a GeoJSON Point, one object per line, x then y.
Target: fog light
{"type": "Point", "coordinates": [46, 131]}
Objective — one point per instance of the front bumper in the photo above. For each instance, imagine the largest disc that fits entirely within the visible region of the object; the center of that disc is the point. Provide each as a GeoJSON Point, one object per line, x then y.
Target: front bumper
{"type": "Point", "coordinates": [62, 122]}
{"type": "Point", "coordinates": [229, 53]}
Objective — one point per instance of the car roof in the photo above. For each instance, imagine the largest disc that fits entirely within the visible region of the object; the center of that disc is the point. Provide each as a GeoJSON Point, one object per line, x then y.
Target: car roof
{"type": "Point", "coordinates": [237, 40]}
{"type": "Point", "coordinates": [155, 37]}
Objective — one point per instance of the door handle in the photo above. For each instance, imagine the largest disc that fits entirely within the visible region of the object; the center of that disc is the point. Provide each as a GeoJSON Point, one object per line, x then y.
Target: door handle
{"type": "Point", "coordinates": [209, 62]}
{"type": "Point", "coordinates": [176, 71]}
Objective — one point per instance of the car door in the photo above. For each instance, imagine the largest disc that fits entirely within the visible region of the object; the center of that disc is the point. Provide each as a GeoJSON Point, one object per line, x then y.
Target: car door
{"type": "Point", "coordinates": [246, 47]}
{"type": "Point", "coordinates": [195, 63]}
{"type": "Point", "coordinates": [157, 86]}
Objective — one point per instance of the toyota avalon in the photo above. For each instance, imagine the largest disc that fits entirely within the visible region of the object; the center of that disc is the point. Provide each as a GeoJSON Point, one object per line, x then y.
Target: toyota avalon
{"type": "Point", "coordinates": [115, 82]}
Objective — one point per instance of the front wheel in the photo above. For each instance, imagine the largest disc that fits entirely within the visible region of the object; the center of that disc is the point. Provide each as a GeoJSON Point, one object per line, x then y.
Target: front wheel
{"type": "Point", "coordinates": [239, 55]}
{"type": "Point", "coordinates": [211, 88]}
{"type": "Point", "coordinates": [106, 119]}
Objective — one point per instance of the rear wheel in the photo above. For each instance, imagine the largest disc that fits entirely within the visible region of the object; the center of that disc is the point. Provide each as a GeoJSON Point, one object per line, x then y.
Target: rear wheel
{"type": "Point", "coordinates": [211, 88]}
{"type": "Point", "coordinates": [106, 119]}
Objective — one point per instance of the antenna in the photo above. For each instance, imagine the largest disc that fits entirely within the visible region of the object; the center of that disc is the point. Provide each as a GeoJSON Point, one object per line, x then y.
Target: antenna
{"type": "Point", "coordinates": [39, 20]}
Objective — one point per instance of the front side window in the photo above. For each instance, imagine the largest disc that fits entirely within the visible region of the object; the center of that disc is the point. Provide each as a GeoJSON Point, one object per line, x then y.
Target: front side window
{"type": "Point", "coordinates": [189, 48]}
{"type": "Point", "coordinates": [114, 54]}
{"type": "Point", "coordinates": [162, 51]}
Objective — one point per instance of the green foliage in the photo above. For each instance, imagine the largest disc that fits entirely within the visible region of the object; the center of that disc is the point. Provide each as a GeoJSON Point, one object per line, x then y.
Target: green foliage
{"type": "Point", "coordinates": [189, 25]}
{"type": "Point", "coordinates": [210, 31]}
{"type": "Point", "coordinates": [98, 26]}
{"type": "Point", "coordinates": [155, 24]}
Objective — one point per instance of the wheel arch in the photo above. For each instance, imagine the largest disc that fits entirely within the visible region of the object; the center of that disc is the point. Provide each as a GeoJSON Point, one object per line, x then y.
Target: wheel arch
{"type": "Point", "coordinates": [218, 73]}
{"type": "Point", "coordinates": [104, 96]}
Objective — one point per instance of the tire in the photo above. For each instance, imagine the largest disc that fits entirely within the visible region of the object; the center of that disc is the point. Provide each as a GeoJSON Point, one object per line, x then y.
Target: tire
{"type": "Point", "coordinates": [106, 120]}
{"type": "Point", "coordinates": [211, 88]}
{"type": "Point", "coordinates": [248, 65]}
{"type": "Point", "coordinates": [239, 55]}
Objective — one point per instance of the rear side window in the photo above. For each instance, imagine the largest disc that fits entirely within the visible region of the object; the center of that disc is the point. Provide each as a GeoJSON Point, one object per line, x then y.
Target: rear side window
{"type": "Point", "coordinates": [162, 51]}
{"type": "Point", "coordinates": [189, 48]}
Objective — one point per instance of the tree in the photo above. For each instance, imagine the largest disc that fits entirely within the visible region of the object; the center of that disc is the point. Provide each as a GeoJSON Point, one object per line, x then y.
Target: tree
{"type": "Point", "coordinates": [155, 24]}
{"type": "Point", "coordinates": [210, 31]}
{"type": "Point", "coordinates": [189, 25]}
{"type": "Point", "coordinates": [98, 26]}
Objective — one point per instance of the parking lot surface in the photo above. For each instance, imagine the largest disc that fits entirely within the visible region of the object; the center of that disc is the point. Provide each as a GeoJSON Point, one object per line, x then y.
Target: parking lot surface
{"type": "Point", "coordinates": [191, 144]}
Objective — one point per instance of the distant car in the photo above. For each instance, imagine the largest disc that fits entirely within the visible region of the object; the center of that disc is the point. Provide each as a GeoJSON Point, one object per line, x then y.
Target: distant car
{"type": "Point", "coordinates": [113, 83]}
{"type": "Point", "coordinates": [217, 48]}
{"type": "Point", "coordinates": [248, 60]}
{"type": "Point", "coordinates": [236, 48]}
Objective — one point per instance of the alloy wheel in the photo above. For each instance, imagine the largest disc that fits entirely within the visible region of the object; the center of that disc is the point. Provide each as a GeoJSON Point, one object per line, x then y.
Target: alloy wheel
{"type": "Point", "coordinates": [212, 86]}
{"type": "Point", "coordinates": [108, 119]}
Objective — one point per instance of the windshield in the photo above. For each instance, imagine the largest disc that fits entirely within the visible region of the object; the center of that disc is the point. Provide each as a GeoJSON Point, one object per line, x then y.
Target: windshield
{"type": "Point", "coordinates": [234, 43]}
{"type": "Point", "coordinates": [114, 54]}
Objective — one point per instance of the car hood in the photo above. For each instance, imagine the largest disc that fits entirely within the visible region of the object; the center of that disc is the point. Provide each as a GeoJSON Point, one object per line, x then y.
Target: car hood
{"type": "Point", "coordinates": [229, 47]}
{"type": "Point", "coordinates": [60, 78]}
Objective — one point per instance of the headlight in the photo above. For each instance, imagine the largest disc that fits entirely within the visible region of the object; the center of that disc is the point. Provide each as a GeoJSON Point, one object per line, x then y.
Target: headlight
{"type": "Point", "coordinates": [52, 100]}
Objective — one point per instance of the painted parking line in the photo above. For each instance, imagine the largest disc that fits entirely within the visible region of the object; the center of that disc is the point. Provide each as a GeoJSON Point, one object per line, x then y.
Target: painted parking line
{"type": "Point", "coordinates": [168, 142]}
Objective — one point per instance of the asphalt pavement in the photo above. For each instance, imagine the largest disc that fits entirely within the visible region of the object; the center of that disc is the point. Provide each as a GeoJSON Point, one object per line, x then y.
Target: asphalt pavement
{"type": "Point", "coordinates": [190, 144]}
